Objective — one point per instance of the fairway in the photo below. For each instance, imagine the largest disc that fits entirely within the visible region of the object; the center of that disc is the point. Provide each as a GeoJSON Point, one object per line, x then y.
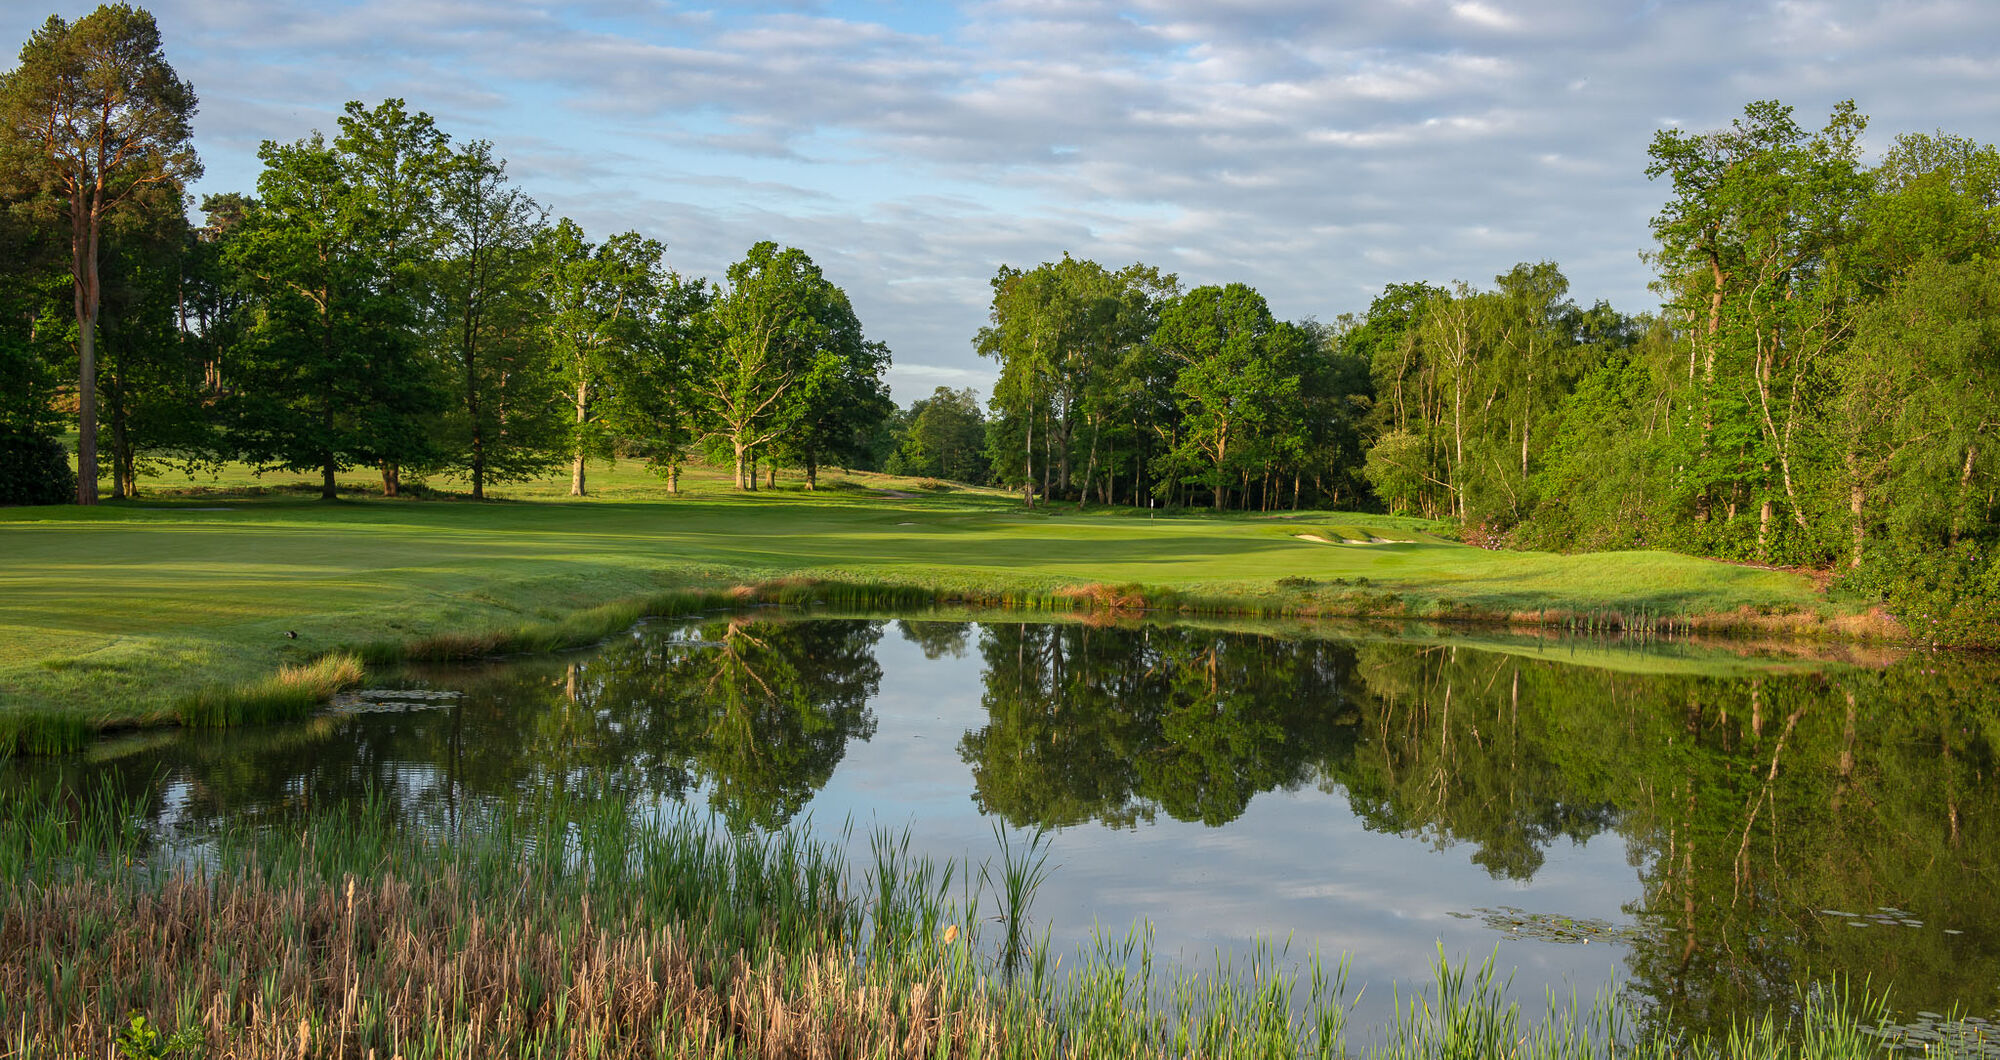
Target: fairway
{"type": "Point", "coordinates": [118, 613]}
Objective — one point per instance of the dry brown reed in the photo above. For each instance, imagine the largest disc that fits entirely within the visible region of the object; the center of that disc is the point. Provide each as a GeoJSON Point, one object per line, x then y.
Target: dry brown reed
{"type": "Point", "coordinates": [381, 967]}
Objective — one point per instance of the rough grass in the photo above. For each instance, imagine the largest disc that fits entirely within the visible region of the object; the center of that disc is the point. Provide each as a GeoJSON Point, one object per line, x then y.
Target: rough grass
{"type": "Point", "coordinates": [184, 604]}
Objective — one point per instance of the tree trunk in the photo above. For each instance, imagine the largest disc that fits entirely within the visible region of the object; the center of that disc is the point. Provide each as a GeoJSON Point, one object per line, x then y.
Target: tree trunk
{"type": "Point", "coordinates": [471, 358]}
{"type": "Point", "coordinates": [1028, 483]}
{"type": "Point", "coordinates": [742, 460]}
{"type": "Point", "coordinates": [326, 487]}
{"type": "Point", "coordinates": [1856, 497]}
{"type": "Point", "coordinates": [1964, 488]}
{"type": "Point", "coordinates": [1089, 470]}
{"type": "Point", "coordinates": [812, 471]}
{"type": "Point", "coordinates": [674, 478]}
{"type": "Point", "coordinates": [83, 246]}
{"type": "Point", "coordinates": [392, 479]}
{"type": "Point", "coordinates": [576, 487]}
{"type": "Point", "coordinates": [1048, 435]}
{"type": "Point", "coordinates": [771, 476]}
{"type": "Point", "coordinates": [121, 440]}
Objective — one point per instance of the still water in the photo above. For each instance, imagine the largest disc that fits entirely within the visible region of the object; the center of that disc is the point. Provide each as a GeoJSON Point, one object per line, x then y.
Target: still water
{"type": "Point", "coordinates": [1704, 828]}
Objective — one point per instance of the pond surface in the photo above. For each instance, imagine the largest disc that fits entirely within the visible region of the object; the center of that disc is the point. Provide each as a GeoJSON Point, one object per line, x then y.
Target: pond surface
{"type": "Point", "coordinates": [1706, 829]}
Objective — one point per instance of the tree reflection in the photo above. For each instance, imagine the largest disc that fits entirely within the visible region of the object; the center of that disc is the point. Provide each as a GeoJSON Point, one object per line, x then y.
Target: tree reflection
{"type": "Point", "coordinates": [1766, 813]}
{"type": "Point", "coordinates": [757, 713]}
{"type": "Point", "coordinates": [1114, 725]}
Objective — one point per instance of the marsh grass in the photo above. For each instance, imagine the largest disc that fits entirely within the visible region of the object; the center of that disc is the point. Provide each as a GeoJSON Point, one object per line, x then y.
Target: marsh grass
{"type": "Point", "coordinates": [293, 692]}
{"type": "Point", "coordinates": [570, 926]}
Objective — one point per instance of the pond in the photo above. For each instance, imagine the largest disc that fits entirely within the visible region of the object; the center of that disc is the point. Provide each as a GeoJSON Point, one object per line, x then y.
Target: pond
{"type": "Point", "coordinates": [1705, 828]}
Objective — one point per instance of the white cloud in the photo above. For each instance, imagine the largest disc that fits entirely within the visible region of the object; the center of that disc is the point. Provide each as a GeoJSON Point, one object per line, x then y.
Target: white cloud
{"type": "Point", "coordinates": [1315, 150]}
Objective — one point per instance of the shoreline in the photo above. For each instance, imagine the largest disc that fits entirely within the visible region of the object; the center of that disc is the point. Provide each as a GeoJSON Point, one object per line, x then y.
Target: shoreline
{"type": "Point", "coordinates": [297, 691]}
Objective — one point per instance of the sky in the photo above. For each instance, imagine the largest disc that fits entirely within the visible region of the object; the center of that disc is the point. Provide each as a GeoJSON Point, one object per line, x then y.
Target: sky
{"type": "Point", "coordinates": [1314, 150]}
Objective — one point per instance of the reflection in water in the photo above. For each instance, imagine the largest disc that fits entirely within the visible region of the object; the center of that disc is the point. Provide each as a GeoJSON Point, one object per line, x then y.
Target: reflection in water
{"type": "Point", "coordinates": [1113, 725]}
{"type": "Point", "coordinates": [1780, 826]}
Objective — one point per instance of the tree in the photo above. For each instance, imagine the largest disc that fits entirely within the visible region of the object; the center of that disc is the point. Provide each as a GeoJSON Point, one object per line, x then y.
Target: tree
{"type": "Point", "coordinates": [832, 412]}
{"type": "Point", "coordinates": [652, 407]}
{"type": "Point", "coordinates": [396, 163]}
{"type": "Point", "coordinates": [504, 423]}
{"type": "Point", "coordinates": [781, 326]}
{"type": "Point", "coordinates": [592, 297]}
{"type": "Point", "coordinates": [330, 374]}
{"type": "Point", "coordinates": [150, 375]}
{"type": "Point", "coordinates": [944, 437]}
{"type": "Point", "coordinates": [35, 322]}
{"type": "Point", "coordinates": [1753, 251]}
{"type": "Point", "coordinates": [95, 114]}
{"type": "Point", "coordinates": [1238, 372]}
{"type": "Point", "coordinates": [1062, 332]}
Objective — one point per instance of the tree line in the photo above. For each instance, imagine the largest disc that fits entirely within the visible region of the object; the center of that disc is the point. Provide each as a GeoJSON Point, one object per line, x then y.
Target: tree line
{"type": "Point", "coordinates": [387, 298]}
{"type": "Point", "coordinates": [1820, 388]}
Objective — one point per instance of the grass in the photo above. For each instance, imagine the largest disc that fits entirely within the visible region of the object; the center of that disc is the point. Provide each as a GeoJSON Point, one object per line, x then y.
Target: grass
{"type": "Point", "coordinates": [184, 604]}
{"type": "Point", "coordinates": [572, 927]}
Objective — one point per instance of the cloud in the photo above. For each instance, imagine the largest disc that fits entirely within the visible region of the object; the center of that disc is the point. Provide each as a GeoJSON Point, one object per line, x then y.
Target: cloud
{"type": "Point", "coordinates": [1316, 151]}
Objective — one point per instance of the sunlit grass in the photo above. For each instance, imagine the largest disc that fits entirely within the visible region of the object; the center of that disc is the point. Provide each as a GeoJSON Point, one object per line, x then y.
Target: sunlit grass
{"type": "Point", "coordinates": [130, 612]}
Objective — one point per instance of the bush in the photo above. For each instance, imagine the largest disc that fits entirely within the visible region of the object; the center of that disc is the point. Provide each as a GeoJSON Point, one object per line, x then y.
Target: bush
{"type": "Point", "coordinates": [1943, 595]}
{"type": "Point", "coordinates": [34, 469]}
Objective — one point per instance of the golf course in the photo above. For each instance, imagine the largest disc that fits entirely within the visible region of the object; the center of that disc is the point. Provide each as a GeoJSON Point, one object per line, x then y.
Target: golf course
{"type": "Point", "coordinates": [198, 599]}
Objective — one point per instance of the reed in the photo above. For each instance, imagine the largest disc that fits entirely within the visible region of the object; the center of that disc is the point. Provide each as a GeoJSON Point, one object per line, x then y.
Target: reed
{"type": "Point", "coordinates": [579, 926]}
{"type": "Point", "coordinates": [291, 693]}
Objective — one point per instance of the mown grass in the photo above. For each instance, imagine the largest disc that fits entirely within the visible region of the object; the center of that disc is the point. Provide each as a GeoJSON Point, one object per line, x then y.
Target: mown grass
{"type": "Point", "coordinates": [576, 927]}
{"type": "Point", "coordinates": [183, 605]}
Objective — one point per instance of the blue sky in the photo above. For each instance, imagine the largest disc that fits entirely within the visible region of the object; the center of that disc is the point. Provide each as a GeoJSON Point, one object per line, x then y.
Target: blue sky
{"type": "Point", "coordinates": [1314, 150]}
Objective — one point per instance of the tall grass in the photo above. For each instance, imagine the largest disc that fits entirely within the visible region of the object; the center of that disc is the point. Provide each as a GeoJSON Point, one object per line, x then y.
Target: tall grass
{"type": "Point", "coordinates": [567, 926]}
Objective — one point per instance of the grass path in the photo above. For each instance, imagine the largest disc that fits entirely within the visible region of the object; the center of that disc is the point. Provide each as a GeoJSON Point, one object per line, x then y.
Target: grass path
{"type": "Point", "coordinates": [117, 614]}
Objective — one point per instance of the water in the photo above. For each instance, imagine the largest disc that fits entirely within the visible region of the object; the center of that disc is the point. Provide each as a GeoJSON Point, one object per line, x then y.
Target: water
{"type": "Point", "coordinates": [1705, 828]}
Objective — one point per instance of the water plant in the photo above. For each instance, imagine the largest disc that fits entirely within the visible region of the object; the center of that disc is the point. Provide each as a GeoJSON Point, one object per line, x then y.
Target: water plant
{"type": "Point", "coordinates": [578, 924]}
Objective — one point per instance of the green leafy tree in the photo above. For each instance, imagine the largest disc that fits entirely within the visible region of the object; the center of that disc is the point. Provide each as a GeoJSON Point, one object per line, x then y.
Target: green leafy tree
{"type": "Point", "coordinates": [331, 374]}
{"type": "Point", "coordinates": [1238, 378]}
{"type": "Point", "coordinates": [944, 436]}
{"type": "Point", "coordinates": [1752, 251]}
{"type": "Point", "coordinates": [506, 421]}
{"type": "Point", "coordinates": [93, 114]}
{"type": "Point", "coordinates": [652, 404]}
{"type": "Point", "coordinates": [36, 322]}
{"type": "Point", "coordinates": [831, 414]}
{"type": "Point", "coordinates": [395, 163]}
{"type": "Point", "coordinates": [1065, 334]}
{"type": "Point", "coordinates": [593, 300]}
{"type": "Point", "coordinates": [789, 348]}
{"type": "Point", "coordinates": [155, 405]}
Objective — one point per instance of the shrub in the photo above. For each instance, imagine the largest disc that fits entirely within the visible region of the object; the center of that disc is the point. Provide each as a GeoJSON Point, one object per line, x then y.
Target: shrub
{"type": "Point", "coordinates": [34, 469]}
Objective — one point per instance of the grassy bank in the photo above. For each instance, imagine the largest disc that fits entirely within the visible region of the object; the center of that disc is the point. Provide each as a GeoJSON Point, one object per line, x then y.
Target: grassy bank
{"type": "Point", "coordinates": [577, 928]}
{"type": "Point", "coordinates": [190, 605]}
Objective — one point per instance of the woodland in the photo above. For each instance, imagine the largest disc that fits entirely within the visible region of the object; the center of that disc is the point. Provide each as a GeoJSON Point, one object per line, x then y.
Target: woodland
{"type": "Point", "coordinates": [1819, 387]}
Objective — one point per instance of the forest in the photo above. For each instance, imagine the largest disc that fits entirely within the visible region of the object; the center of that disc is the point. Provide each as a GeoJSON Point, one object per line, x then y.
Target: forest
{"type": "Point", "coordinates": [1817, 389]}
